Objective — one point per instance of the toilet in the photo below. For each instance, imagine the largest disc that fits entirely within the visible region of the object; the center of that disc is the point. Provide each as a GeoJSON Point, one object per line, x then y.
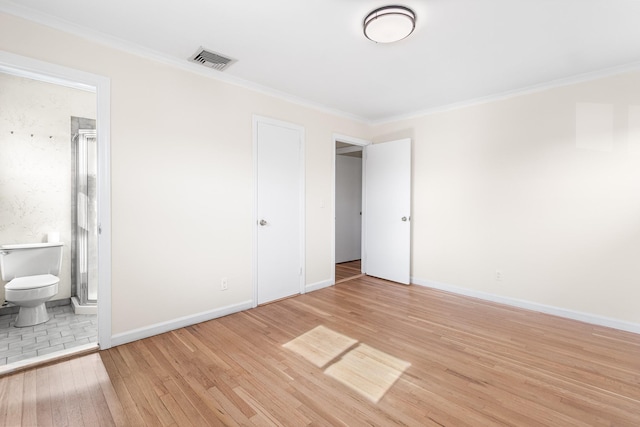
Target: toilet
{"type": "Point", "coordinates": [32, 272]}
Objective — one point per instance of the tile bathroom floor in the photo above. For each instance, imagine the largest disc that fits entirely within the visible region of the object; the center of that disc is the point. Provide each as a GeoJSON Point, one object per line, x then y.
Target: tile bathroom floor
{"type": "Point", "coordinates": [64, 330]}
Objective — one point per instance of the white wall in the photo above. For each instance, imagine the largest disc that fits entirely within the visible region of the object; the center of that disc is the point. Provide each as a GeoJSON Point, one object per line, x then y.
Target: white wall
{"type": "Point", "coordinates": [544, 187]}
{"type": "Point", "coordinates": [182, 194]}
{"type": "Point", "coordinates": [35, 163]}
{"type": "Point", "coordinates": [348, 208]}
{"type": "Point", "coordinates": [503, 185]}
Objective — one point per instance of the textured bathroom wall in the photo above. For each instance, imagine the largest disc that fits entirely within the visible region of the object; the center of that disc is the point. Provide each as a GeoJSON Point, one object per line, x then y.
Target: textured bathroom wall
{"type": "Point", "coordinates": [35, 163]}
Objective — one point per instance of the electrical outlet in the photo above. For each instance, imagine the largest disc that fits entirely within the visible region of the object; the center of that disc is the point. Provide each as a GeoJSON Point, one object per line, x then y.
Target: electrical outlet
{"type": "Point", "coordinates": [499, 275]}
{"type": "Point", "coordinates": [223, 284]}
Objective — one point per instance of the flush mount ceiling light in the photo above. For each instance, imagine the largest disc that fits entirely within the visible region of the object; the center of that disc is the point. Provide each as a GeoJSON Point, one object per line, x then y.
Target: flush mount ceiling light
{"type": "Point", "coordinates": [389, 24]}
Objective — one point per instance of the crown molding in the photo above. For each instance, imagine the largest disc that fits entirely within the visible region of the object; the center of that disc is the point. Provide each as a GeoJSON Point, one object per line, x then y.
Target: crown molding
{"type": "Point", "coordinates": [123, 45]}
{"type": "Point", "coordinates": [540, 87]}
{"type": "Point", "coordinates": [141, 51]}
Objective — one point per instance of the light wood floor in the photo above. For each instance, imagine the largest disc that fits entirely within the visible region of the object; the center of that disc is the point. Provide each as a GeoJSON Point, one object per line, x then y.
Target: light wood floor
{"type": "Point", "coordinates": [471, 363]}
{"type": "Point", "coordinates": [348, 270]}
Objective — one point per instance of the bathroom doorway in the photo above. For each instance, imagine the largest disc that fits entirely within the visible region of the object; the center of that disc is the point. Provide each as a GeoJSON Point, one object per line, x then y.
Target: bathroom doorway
{"type": "Point", "coordinates": [55, 186]}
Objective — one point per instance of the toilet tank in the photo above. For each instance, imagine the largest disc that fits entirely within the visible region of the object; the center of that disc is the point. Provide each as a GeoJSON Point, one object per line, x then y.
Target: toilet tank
{"type": "Point", "coordinates": [30, 259]}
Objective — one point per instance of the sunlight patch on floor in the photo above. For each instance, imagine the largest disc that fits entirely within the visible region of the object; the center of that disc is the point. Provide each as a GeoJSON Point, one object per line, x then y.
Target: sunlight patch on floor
{"type": "Point", "coordinates": [368, 371]}
{"type": "Point", "coordinates": [320, 345]}
{"type": "Point", "coordinates": [364, 369]}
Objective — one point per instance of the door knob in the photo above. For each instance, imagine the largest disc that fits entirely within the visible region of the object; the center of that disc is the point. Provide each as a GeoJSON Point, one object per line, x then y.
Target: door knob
{"type": "Point", "coordinates": [262, 222]}
{"type": "Point", "coordinates": [404, 218]}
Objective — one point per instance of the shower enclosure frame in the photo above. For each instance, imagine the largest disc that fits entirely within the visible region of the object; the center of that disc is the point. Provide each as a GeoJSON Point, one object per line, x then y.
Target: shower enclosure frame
{"type": "Point", "coordinates": [85, 226]}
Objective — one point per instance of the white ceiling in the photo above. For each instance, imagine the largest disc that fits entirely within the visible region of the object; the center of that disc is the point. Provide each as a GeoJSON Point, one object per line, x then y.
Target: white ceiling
{"type": "Point", "coordinates": [314, 50]}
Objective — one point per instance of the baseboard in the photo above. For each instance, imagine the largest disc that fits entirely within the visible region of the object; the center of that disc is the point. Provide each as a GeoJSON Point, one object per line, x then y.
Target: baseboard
{"type": "Point", "coordinates": [529, 305]}
{"type": "Point", "coordinates": [318, 285]}
{"type": "Point", "coordinates": [181, 322]}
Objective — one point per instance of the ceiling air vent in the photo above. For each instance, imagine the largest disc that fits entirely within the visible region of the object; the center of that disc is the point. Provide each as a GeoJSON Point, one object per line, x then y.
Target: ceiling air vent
{"type": "Point", "coordinates": [211, 59]}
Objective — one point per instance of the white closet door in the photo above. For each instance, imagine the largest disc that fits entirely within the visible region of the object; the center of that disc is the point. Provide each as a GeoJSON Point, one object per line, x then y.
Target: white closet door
{"type": "Point", "coordinates": [279, 219]}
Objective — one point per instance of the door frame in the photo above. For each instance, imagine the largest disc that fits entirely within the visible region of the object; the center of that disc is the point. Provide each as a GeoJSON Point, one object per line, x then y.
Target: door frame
{"type": "Point", "coordinates": [23, 66]}
{"type": "Point", "coordinates": [362, 143]}
{"type": "Point", "coordinates": [302, 205]}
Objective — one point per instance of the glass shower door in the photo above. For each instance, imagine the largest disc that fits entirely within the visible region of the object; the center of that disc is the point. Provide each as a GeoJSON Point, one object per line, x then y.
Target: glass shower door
{"type": "Point", "coordinates": [86, 217]}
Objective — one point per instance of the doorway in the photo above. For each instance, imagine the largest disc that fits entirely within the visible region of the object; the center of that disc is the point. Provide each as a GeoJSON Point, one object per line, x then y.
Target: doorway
{"type": "Point", "coordinates": [279, 216]}
{"type": "Point", "coordinates": [386, 209]}
{"type": "Point", "coordinates": [33, 133]}
{"type": "Point", "coordinates": [349, 241]}
{"type": "Point", "coordinates": [348, 212]}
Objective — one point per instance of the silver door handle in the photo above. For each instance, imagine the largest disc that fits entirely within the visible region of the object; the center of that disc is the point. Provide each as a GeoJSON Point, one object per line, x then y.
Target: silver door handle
{"type": "Point", "coordinates": [262, 222]}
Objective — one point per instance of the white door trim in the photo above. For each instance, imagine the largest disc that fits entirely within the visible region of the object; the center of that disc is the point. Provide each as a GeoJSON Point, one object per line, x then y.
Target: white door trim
{"type": "Point", "coordinates": [51, 73]}
{"type": "Point", "coordinates": [354, 141]}
{"type": "Point", "coordinates": [261, 119]}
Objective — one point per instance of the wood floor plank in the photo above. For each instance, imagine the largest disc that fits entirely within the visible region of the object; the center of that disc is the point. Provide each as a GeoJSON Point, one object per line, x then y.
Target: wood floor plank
{"type": "Point", "coordinates": [4, 399]}
{"type": "Point", "coordinates": [111, 365]}
{"type": "Point", "coordinates": [72, 396]}
{"type": "Point", "coordinates": [347, 270]}
{"type": "Point", "coordinates": [466, 363]}
{"type": "Point", "coordinates": [191, 378]}
{"type": "Point", "coordinates": [178, 416]}
{"type": "Point", "coordinates": [141, 390]}
{"type": "Point", "coordinates": [95, 390]}
{"type": "Point", "coordinates": [14, 400]}
{"type": "Point", "coordinates": [44, 412]}
{"type": "Point", "coordinates": [116, 410]}
{"type": "Point", "coordinates": [29, 396]}
{"type": "Point", "coordinates": [84, 393]}
{"type": "Point", "coordinates": [185, 404]}
{"type": "Point", "coordinates": [59, 408]}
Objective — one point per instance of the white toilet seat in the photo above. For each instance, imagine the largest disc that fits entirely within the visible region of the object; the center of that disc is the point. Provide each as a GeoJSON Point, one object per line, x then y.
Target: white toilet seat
{"type": "Point", "coordinates": [31, 282]}
{"type": "Point", "coordinates": [30, 293]}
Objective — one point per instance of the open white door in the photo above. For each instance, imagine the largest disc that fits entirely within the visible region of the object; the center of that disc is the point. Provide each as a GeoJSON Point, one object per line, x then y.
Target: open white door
{"type": "Point", "coordinates": [388, 210]}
